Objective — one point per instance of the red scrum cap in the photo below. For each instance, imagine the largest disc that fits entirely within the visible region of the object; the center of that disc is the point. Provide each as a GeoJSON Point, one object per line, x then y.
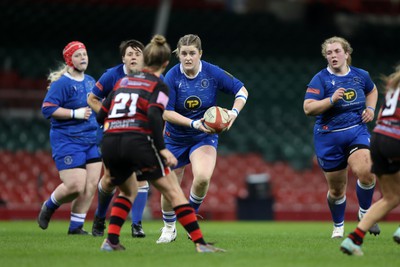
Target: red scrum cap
{"type": "Point", "coordinates": [70, 49]}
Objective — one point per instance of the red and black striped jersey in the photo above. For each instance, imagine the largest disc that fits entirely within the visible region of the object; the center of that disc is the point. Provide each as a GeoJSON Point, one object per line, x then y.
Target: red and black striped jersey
{"type": "Point", "coordinates": [127, 105]}
{"type": "Point", "coordinates": [388, 122]}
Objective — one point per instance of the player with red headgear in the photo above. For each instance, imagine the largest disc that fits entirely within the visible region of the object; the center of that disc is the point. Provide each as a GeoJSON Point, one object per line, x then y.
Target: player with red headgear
{"type": "Point", "coordinates": [73, 138]}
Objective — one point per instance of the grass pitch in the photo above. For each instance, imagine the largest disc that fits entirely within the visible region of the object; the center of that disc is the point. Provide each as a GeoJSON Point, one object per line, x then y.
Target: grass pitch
{"type": "Point", "coordinates": [23, 243]}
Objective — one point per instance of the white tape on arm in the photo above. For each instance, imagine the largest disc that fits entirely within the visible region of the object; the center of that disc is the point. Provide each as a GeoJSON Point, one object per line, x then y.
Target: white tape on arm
{"type": "Point", "coordinates": [195, 124]}
{"type": "Point", "coordinates": [241, 95]}
{"type": "Point", "coordinates": [79, 113]}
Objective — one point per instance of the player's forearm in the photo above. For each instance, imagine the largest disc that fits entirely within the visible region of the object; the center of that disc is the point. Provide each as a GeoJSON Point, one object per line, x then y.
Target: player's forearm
{"type": "Point", "coordinates": [176, 118]}
{"type": "Point", "coordinates": [156, 126]}
{"type": "Point", "coordinates": [240, 99]}
{"type": "Point", "coordinates": [372, 98]}
{"type": "Point", "coordinates": [94, 103]}
{"type": "Point", "coordinates": [316, 107]}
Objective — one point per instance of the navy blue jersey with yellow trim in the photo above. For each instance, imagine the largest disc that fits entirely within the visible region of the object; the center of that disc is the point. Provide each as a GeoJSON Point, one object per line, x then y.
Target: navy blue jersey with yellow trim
{"type": "Point", "coordinates": [347, 111]}
{"type": "Point", "coordinates": [191, 97]}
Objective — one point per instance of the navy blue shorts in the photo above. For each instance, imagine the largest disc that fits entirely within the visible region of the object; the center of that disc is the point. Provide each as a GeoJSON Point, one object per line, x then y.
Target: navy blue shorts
{"type": "Point", "coordinates": [334, 148]}
{"type": "Point", "coordinates": [69, 155]}
{"type": "Point", "coordinates": [183, 150]}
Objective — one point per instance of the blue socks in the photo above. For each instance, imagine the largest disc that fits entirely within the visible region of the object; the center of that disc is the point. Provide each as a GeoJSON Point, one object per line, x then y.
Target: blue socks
{"type": "Point", "coordinates": [364, 195]}
{"type": "Point", "coordinates": [77, 220]}
{"type": "Point", "coordinates": [139, 204]}
{"type": "Point", "coordinates": [104, 199]}
{"type": "Point", "coordinates": [169, 217]}
{"type": "Point", "coordinates": [337, 207]}
{"type": "Point", "coordinates": [52, 203]}
{"type": "Point", "coordinates": [195, 201]}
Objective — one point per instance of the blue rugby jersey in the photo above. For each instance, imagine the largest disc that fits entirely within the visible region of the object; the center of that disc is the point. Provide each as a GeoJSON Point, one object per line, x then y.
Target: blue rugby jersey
{"type": "Point", "coordinates": [191, 97]}
{"type": "Point", "coordinates": [71, 94]}
{"type": "Point", "coordinates": [107, 81]}
{"type": "Point", "coordinates": [347, 111]}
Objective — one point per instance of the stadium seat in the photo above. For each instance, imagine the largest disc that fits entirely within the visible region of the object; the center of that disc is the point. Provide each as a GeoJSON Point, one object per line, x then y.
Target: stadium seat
{"type": "Point", "coordinates": [8, 79]}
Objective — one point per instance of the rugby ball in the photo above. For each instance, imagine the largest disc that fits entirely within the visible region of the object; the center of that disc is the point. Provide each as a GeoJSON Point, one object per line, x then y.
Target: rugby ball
{"type": "Point", "coordinates": [216, 119]}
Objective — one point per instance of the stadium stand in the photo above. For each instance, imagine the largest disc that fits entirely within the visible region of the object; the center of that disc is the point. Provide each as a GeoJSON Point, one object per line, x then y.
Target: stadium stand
{"type": "Point", "coordinates": [26, 178]}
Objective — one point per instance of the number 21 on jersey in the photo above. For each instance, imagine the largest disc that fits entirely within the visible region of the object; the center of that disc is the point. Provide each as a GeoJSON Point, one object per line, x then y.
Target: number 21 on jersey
{"type": "Point", "coordinates": [124, 105]}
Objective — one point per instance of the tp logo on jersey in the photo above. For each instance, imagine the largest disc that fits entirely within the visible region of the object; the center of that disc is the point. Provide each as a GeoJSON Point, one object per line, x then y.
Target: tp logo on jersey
{"type": "Point", "coordinates": [192, 102]}
{"type": "Point", "coordinates": [350, 95]}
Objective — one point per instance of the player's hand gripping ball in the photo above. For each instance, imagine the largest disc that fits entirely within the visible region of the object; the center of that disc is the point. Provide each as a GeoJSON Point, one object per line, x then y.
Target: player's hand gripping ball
{"type": "Point", "coordinates": [216, 119]}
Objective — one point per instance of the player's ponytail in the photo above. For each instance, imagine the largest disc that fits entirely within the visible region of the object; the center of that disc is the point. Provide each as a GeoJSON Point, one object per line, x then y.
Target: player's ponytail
{"type": "Point", "coordinates": [392, 82]}
{"type": "Point", "coordinates": [157, 52]}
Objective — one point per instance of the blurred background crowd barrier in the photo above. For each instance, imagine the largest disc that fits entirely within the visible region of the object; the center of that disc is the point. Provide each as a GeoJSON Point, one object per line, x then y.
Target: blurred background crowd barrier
{"type": "Point", "coordinates": [273, 46]}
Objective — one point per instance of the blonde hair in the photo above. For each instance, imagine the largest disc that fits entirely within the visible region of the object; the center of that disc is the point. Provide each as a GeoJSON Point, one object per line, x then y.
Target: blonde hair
{"type": "Point", "coordinates": [188, 39]}
{"type": "Point", "coordinates": [344, 43]}
{"type": "Point", "coordinates": [393, 80]}
{"type": "Point", "coordinates": [55, 75]}
{"type": "Point", "coordinates": [157, 52]}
